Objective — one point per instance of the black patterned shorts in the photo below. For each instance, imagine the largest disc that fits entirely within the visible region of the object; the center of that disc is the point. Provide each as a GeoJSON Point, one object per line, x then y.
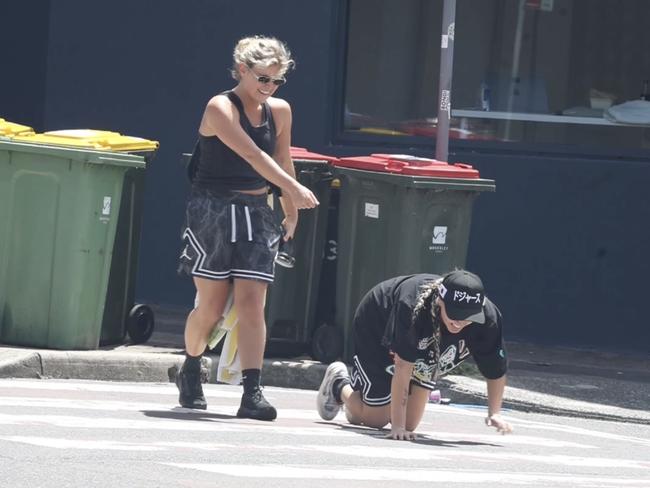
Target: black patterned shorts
{"type": "Point", "coordinates": [229, 235]}
{"type": "Point", "coordinates": [373, 380]}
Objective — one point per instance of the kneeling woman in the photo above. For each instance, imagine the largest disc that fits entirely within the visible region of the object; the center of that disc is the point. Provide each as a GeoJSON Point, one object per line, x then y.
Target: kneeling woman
{"type": "Point", "coordinates": [408, 331]}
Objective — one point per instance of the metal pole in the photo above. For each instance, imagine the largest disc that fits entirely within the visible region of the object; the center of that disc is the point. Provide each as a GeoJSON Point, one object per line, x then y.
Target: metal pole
{"type": "Point", "coordinates": [444, 86]}
{"type": "Point", "coordinates": [516, 59]}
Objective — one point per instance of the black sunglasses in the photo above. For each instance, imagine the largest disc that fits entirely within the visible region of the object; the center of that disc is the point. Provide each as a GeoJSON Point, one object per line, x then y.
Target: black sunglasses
{"type": "Point", "coordinates": [264, 79]}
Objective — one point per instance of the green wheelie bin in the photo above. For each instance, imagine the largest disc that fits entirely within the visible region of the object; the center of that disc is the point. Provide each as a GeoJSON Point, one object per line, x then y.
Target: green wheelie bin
{"type": "Point", "coordinates": [398, 215]}
{"type": "Point", "coordinates": [70, 208]}
{"type": "Point", "coordinates": [292, 298]}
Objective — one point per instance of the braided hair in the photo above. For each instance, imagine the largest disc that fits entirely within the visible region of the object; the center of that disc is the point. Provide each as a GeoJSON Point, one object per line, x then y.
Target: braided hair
{"type": "Point", "coordinates": [426, 314]}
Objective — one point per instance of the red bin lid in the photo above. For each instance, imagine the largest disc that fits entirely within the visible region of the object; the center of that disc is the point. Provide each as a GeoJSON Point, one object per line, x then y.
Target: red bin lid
{"type": "Point", "coordinates": [302, 153]}
{"type": "Point", "coordinates": [409, 166]}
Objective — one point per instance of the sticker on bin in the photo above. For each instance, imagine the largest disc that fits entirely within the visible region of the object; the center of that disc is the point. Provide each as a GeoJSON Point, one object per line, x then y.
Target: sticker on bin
{"type": "Point", "coordinates": [106, 210]}
{"type": "Point", "coordinates": [371, 210]}
{"type": "Point", "coordinates": [403, 164]}
{"type": "Point", "coordinates": [439, 239]}
{"type": "Point", "coordinates": [439, 234]}
{"type": "Point", "coordinates": [106, 207]}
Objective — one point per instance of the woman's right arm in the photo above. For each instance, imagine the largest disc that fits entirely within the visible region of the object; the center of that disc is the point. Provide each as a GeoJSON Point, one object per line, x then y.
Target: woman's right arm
{"type": "Point", "coordinates": [399, 394]}
{"type": "Point", "coordinates": [222, 119]}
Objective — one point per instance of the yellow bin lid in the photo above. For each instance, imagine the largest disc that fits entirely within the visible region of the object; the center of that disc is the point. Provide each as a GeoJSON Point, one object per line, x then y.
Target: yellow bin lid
{"type": "Point", "coordinates": [11, 129]}
{"type": "Point", "coordinates": [91, 139]}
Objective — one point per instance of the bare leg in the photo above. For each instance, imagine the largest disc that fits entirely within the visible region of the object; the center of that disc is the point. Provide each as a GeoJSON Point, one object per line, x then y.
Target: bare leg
{"type": "Point", "coordinates": [359, 413]}
{"type": "Point", "coordinates": [212, 300]}
{"type": "Point", "coordinates": [250, 296]}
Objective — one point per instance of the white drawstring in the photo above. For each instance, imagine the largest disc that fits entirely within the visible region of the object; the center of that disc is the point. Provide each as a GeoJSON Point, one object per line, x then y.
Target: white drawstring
{"type": "Point", "coordinates": [233, 223]}
{"type": "Point", "coordinates": [248, 223]}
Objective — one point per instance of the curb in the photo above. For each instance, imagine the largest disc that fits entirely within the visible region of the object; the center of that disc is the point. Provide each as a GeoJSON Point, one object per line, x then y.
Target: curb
{"type": "Point", "coordinates": [21, 364]}
{"type": "Point", "coordinates": [469, 390]}
{"type": "Point", "coordinates": [154, 367]}
{"type": "Point", "coordinates": [90, 365]}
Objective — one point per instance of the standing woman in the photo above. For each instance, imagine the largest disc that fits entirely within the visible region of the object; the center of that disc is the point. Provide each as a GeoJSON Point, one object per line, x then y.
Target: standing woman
{"type": "Point", "coordinates": [231, 236]}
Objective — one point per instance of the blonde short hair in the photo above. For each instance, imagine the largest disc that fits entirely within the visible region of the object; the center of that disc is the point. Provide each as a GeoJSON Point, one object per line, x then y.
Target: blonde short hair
{"type": "Point", "coordinates": [261, 51]}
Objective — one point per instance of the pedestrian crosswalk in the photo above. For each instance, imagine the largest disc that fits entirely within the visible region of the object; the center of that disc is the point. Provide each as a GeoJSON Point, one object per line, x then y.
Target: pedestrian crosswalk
{"type": "Point", "coordinates": [120, 424]}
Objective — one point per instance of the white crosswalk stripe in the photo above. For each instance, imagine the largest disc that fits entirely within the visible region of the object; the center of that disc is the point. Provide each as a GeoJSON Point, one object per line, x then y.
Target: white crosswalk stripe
{"type": "Point", "coordinates": [412, 475]}
{"type": "Point", "coordinates": [143, 419]}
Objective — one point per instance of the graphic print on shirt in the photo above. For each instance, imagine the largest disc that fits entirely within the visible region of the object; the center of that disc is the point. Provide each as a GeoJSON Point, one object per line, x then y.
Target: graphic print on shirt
{"type": "Point", "coordinates": [453, 356]}
{"type": "Point", "coordinates": [422, 370]}
{"type": "Point", "coordinates": [425, 342]}
{"type": "Point", "coordinates": [427, 370]}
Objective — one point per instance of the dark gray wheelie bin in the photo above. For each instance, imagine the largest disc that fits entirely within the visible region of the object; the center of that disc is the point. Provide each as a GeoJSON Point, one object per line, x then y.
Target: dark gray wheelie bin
{"type": "Point", "coordinates": [397, 215]}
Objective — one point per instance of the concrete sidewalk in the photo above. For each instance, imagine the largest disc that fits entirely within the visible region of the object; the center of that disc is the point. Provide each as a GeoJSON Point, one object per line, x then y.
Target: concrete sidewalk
{"type": "Point", "coordinates": [562, 381]}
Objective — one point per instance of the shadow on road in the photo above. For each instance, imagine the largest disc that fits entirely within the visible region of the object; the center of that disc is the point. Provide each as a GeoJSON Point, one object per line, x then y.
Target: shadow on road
{"type": "Point", "coordinates": [186, 414]}
{"type": "Point", "coordinates": [422, 439]}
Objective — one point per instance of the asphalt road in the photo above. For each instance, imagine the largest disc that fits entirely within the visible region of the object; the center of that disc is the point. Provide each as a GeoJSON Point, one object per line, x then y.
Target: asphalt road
{"type": "Point", "coordinates": [57, 433]}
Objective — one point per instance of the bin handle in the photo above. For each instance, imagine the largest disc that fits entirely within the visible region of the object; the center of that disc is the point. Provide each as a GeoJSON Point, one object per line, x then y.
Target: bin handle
{"type": "Point", "coordinates": [329, 176]}
{"type": "Point", "coordinates": [117, 162]}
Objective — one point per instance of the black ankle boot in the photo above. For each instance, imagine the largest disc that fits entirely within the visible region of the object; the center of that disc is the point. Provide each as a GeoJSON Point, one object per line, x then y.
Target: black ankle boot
{"type": "Point", "coordinates": [190, 389]}
{"type": "Point", "coordinates": [255, 406]}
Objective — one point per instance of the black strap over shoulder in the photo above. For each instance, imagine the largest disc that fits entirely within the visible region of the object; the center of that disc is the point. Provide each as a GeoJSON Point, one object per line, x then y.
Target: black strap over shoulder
{"type": "Point", "coordinates": [266, 110]}
{"type": "Point", "coordinates": [268, 114]}
{"type": "Point", "coordinates": [192, 164]}
{"type": "Point", "coordinates": [236, 101]}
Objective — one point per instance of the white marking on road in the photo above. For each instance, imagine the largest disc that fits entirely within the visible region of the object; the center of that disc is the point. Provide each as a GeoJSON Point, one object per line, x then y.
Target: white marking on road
{"type": "Point", "coordinates": [103, 445]}
{"type": "Point", "coordinates": [210, 424]}
{"type": "Point", "coordinates": [206, 425]}
{"type": "Point", "coordinates": [581, 386]}
{"type": "Point", "coordinates": [359, 451]}
{"type": "Point", "coordinates": [211, 389]}
{"type": "Point", "coordinates": [533, 424]}
{"type": "Point", "coordinates": [234, 425]}
{"type": "Point", "coordinates": [139, 388]}
{"type": "Point", "coordinates": [412, 474]}
{"type": "Point", "coordinates": [427, 454]}
{"type": "Point", "coordinates": [112, 405]}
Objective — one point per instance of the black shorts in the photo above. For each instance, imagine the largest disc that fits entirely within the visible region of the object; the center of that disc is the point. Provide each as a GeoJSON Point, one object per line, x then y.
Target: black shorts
{"type": "Point", "coordinates": [373, 365]}
{"type": "Point", "coordinates": [373, 379]}
{"type": "Point", "coordinates": [229, 235]}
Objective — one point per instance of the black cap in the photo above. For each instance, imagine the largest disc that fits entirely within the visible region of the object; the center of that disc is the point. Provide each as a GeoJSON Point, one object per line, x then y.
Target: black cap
{"type": "Point", "coordinates": [464, 296]}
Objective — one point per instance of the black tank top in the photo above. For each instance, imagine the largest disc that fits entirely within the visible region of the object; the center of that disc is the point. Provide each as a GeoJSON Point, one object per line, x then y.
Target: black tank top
{"type": "Point", "coordinates": [220, 168]}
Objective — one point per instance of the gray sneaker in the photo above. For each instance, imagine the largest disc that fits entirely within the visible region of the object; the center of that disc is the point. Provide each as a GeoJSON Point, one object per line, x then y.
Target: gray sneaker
{"type": "Point", "coordinates": [326, 404]}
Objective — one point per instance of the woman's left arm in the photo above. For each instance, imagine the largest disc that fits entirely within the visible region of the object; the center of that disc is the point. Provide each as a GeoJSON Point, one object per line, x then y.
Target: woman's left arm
{"type": "Point", "coordinates": [282, 156]}
{"type": "Point", "coordinates": [495, 389]}
{"type": "Point", "coordinates": [399, 396]}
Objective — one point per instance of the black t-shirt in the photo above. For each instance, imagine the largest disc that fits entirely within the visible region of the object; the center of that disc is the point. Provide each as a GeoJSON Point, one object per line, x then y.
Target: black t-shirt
{"type": "Point", "coordinates": [383, 325]}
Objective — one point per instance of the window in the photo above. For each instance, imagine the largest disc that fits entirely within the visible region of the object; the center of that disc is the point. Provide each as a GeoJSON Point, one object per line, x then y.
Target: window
{"type": "Point", "coordinates": [392, 66]}
{"type": "Point", "coordinates": [525, 71]}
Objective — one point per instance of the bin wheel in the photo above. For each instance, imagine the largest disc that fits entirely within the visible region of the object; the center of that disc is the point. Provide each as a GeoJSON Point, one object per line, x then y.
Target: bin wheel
{"type": "Point", "coordinates": [327, 343]}
{"type": "Point", "coordinates": [139, 324]}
